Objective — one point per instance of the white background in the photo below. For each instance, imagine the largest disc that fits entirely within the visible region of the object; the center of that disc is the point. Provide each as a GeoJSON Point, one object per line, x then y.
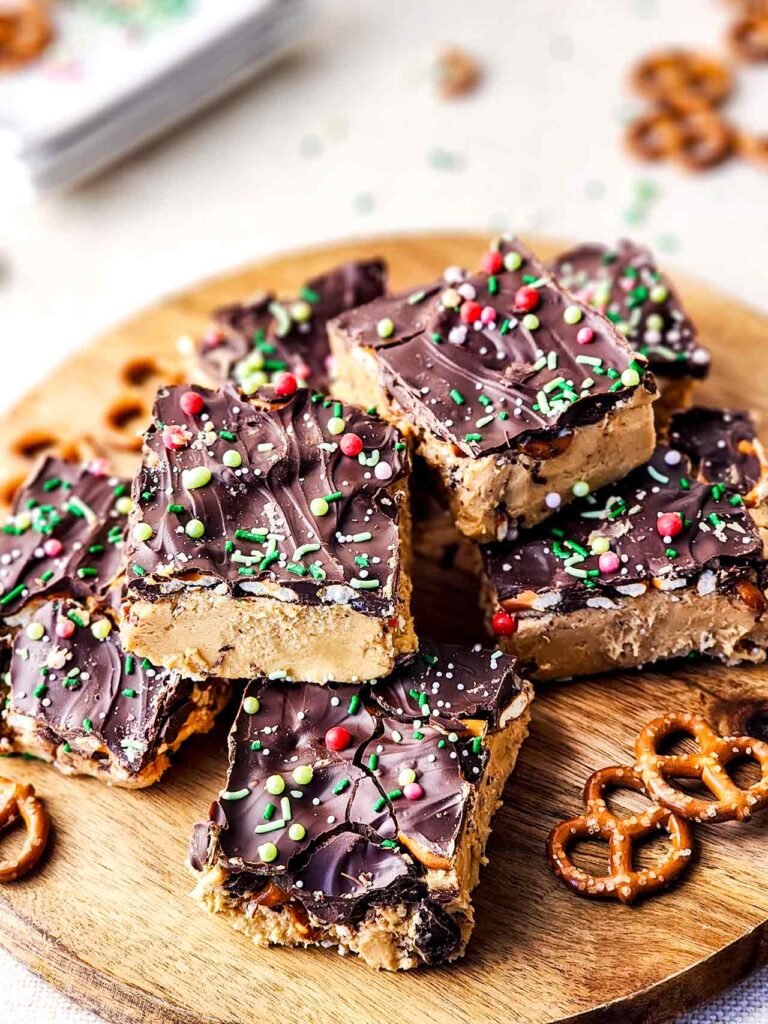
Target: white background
{"type": "Point", "coordinates": [343, 140]}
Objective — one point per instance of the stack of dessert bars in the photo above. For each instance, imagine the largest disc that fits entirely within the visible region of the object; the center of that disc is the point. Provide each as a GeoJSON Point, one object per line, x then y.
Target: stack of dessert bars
{"type": "Point", "coordinates": [264, 549]}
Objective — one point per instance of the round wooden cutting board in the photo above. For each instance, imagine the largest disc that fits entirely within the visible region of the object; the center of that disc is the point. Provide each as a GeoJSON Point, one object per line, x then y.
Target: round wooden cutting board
{"type": "Point", "coordinates": [108, 918]}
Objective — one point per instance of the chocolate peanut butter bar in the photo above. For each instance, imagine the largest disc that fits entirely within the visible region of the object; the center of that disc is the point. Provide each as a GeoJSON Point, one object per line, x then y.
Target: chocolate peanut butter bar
{"type": "Point", "coordinates": [625, 284]}
{"type": "Point", "coordinates": [518, 395]}
{"type": "Point", "coordinates": [669, 561]}
{"type": "Point", "coordinates": [65, 533]}
{"type": "Point", "coordinates": [269, 540]}
{"type": "Point", "coordinates": [358, 817]}
{"type": "Point", "coordinates": [250, 343]}
{"type": "Point", "coordinates": [76, 700]}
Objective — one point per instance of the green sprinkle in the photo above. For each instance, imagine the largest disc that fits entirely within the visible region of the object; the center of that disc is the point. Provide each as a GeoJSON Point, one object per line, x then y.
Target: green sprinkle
{"type": "Point", "coordinates": [269, 812]}
{"type": "Point", "coordinates": [139, 570]}
{"type": "Point", "coordinates": [354, 704]}
{"type": "Point", "coordinates": [380, 804]}
{"type": "Point", "coordinates": [87, 726]}
{"type": "Point", "coordinates": [40, 690]}
{"type": "Point", "coordinates": [176, 508]}
{"type": "Point", "coordinates": [457, 396]}
{"type": "Point", "coordinates": [86, 572]}
{"type": "Point", "coordinates": [373, 762]}
{"type": "Point", "coordinates": [235, 794]}
{"type": "Point", "coordinates": [129, 693]}
{"type": "Point", "coordinates": [341, 785]}
{"type": "Point", "coordinates": [12, 594]}
{"type": "Point", "coordinates": [477, 745]}
{"type": "Point", "coordinates": [359, 584]}
{"type": "Point", "coordinates": [254, 536]}
{"type": "Point", "coordinates": [394, 794]}
{"type": "Point", "coordinates": [227, 435]}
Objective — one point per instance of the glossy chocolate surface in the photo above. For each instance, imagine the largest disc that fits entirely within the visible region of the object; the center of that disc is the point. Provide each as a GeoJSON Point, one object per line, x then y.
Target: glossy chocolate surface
{"type": "Point", "coordinates": [358, 790]}
{"type": "Point", "coordinates": [570, 561]}
{"type": "Point", "coordinates": [281, 504]}
{"type": "Point", "coordinates": [491, 360]}
{"type": "Point", "coordinates": [77, 687]}
{"type": "Point", "coordinates": [267, 336]}
{"type": "Point", "coordinates": [65, 532]}
{"type": "Point", "coordinates": [625, 284]}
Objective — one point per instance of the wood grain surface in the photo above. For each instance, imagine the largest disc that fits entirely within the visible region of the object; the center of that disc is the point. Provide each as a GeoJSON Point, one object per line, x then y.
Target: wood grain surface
{"type": "Point", "coordinates": [108, 918]}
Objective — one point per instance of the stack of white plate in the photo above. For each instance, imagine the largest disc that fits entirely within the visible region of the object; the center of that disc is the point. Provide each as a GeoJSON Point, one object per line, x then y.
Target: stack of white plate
{"type": "Point", "coordinates": [120, 73]}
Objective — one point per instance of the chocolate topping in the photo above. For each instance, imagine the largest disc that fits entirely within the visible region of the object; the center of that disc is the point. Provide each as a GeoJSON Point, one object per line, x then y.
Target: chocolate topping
{"type": "Point", "coordinates": [258, 339]}
{"type": "Point", "coordinates": [490, 360]}
{"type": "Point", "coordinates": [571, 560]}
{"type": "Point", "coordinates": [79, 687]}
{"type": "Point", "coordinates": [723, 445]}
{"type": "Point", "coordinates": [357, 789]}
{"type": "Point", "coordinates": [261, 495]}
{"type": "Point", "coordinates": [626, 285]}
{"type": "Point", "coordinates": [66, 532]}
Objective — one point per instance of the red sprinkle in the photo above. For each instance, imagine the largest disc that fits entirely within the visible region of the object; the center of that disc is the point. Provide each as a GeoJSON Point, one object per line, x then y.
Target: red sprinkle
{"type": "Point", "coordinates": [191, 403]}
{"type": "Point", "coordinates": [608, 562]}
{"type": "Point", "coordinates": [470, 311]}
{"type": "Point", "coordinates": [65, 628]}
{"type": "Point", "coordinates": [504, 624]}
{"type": "Point", "coordinates": [413, 791]}
{"type": "Point", "coordinates": [99, 467]}
{"type": "Point", "coordinates": [213, 338]}
{"type": "Point", "coordinates": [492, 262]}
{"type": "Point", "coordinates": [526, 299]}
{"type": "Point", "coordinates": [285, 384]}
{"type": "Point", "coordinates": [585, 335]}
{"type": "Point", "coordinates": [176, 436]}
{"type": "Point", "coordinates": [351, 445]}
{"type": "Point", "coordinates": [669, 524]}
{"type": "Point", "coordinates": [53, 547]}
{"type": "Point", "coordinates": [337, 738]}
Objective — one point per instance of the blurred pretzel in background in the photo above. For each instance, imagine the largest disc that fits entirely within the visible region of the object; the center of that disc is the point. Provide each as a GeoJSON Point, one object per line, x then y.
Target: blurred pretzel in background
{"type": "Point", "coordinates": [26, 30]}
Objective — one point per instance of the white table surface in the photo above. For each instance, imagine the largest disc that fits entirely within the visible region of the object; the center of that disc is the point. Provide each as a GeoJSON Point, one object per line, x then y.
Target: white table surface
{"type": "Point", "coordinates": [346, 140]}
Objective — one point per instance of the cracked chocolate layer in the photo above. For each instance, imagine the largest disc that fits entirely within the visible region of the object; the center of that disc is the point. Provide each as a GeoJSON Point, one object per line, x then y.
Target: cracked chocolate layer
{"type": "Point", "coordinates": [65, 532]}
{"type": "Point", "coordinates": [339, 799]}
{"type": "Point", "coordinates": [249, 496]}
{"type": "Point", "coordinates": [85, 698]}
{"type": "Point", "coordinates": [253, 341]}
{"type": "Point", "coordinates": [498, 359]}
{"type": "Point", "coordinates": [625, 284]}
{"type": "Point", "coordinates": [679, 520]}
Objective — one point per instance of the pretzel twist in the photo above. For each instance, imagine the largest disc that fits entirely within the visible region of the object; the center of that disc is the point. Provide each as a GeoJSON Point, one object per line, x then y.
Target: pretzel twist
{"type": "Point", "coordinates": [749, 36]}
{"type": "Point", "coordinates": [19, 801]}
{"type": "Point", "coordinates": [695, 139]}
{"type": "Point", "coordinates": [709, 766]}
{"type": "Point", "coordinates": [682, 80]}
{"type": "Point", "coordinates": [25, 31]}
{"type": "Point", "coordinates": [623, 882]}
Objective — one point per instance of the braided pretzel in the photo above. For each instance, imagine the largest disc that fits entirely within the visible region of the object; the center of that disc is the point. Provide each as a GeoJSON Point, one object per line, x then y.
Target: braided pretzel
{"type": "Point", "coordinates": [749, 36]}
{"type": "Point", "coordinates": [19, 801]}
{"type": "Point", "coordinates": [682, 79]}
{"type": "Point", "coordinates": [708, 765]}
{"type": "Point", "coordinates": [695, 139]}
{"type": "Point", "coordinates": [622, 882]}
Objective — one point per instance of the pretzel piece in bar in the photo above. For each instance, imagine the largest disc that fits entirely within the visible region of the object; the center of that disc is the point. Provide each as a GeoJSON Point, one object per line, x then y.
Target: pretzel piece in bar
{"type": "Point", "coordinates": [709, 765]}
{"type": "Point", "coordinates": [623, 882]}
{"type": "Point", "coordinates": [18, 800]}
